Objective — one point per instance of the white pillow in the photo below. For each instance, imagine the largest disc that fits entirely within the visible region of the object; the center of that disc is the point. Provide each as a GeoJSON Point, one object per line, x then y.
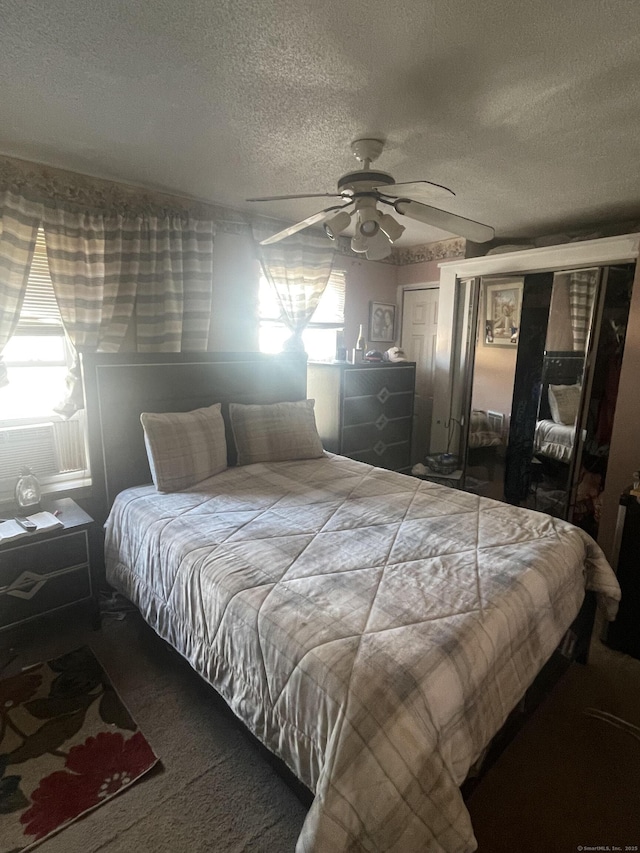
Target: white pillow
{"type": "Point", "coordinates": [563, 402]}
{"type": "Point", "coordinates": [184, 447]}
{"type": "Point", "coordinates": [275, 432]}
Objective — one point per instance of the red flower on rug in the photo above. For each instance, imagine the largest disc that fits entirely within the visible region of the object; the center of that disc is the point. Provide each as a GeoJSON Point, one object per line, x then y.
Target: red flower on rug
{"type": "Point", "coordinates": [100, 767]}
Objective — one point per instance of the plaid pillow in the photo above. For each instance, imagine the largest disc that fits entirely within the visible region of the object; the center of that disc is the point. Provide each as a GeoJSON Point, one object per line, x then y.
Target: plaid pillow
{"type": "Point", "coordinates": [275, 432]}
{"type": "Point", "coordinates": [184, 447]}
{"type": "Point", "coordinates": [563, 402]}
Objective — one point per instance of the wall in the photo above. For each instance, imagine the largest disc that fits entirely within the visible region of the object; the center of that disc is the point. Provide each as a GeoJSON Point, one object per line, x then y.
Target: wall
{"type": "Point", "coordinates": [421, 273]}
{"type": "Point", "coordinates": [234, 317]}
{"type": "Point", "coordinates": [366, 281]}
{"type": "Point", "coordinates": [493, 377]}
{"type": "Point", "coordinates": [234, 320]}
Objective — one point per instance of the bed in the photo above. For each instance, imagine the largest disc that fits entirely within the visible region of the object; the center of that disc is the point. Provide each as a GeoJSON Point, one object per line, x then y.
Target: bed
{"type": "Point", "coordinates": [554, 441]}
{"type": "Point", "coordinates": [371, 629]}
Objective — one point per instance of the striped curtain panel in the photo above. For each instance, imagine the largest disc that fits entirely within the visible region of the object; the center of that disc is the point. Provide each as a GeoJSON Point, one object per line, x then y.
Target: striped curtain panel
{"type": "Point", "coordinates": [175, 280]}
{"type": "Point", "coordinates": [298, 269]}
{"type": "Point", "coordinates": [19, 220]}
{"type": "Point", "coordinates": [106, 269]}
{"type": "Point", "coordinates": [582, 292]}
{"type": "Point", "coordinates": [95, 295]}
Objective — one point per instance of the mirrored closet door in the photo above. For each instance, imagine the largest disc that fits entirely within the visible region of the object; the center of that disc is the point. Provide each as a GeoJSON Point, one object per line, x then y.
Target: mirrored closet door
{"type": "Point", "coordinates": [542, 356]}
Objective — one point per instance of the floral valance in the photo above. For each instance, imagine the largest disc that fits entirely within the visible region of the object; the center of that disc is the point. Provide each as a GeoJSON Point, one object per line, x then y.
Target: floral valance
{"type": "Point", "coordinates": [50, 186]}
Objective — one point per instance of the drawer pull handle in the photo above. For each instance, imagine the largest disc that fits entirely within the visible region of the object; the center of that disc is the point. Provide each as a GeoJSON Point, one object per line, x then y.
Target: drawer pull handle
{"type": "Point", "coordinates": [379, 448]}
{"type": "Point", "coordinates": [383, 394]}
{"type": "Point", "coordinates": [27, 585]}
{"type": "Point", "coordinates": [382, 422]}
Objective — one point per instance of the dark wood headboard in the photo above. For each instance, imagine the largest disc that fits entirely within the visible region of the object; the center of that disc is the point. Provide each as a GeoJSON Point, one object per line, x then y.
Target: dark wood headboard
{"type": "Point", "coordinates": [118, 387]}
{"type": "Point", "coordinates": [559, 368]}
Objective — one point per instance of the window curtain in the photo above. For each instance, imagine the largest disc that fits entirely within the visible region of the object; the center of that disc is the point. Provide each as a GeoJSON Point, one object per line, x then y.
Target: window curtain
{"type": "Point", "coordinates": [104, 267]}
{"type": "Point", "coordinates": [298, 269]}
{"type": "Point", "coordinates": [19, 220]}
{"type": "Point", "coordinates": [175, 280]}
{"type": "Point", "coordinates": [582, 291]}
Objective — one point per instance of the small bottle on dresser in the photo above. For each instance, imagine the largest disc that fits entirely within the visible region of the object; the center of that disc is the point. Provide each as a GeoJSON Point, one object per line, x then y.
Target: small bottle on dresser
{"type": "Point", "coordinates": [360, 349]}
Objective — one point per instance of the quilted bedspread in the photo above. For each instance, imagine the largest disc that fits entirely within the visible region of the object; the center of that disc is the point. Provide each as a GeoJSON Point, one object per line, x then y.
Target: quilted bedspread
{"type": "Point", "coordinates": [372, 629]}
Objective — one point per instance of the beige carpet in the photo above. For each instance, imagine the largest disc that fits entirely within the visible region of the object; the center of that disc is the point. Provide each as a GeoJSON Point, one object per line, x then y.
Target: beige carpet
{"type": "Point", "coordinates": [569, 779]}
{"type": "Point", "coordinates": [566, 780]}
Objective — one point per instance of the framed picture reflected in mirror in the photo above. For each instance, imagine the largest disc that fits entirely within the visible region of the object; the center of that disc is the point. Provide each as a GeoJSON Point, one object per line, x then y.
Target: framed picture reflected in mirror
{"type": "Point", "coordinates": [502, 311]}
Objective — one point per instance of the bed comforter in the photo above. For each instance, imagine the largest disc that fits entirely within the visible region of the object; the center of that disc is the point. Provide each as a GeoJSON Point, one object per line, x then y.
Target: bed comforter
{"type": "Point", "coordinates": [372, 629]}
{"type": "Point", "coordinates": [554, 440]}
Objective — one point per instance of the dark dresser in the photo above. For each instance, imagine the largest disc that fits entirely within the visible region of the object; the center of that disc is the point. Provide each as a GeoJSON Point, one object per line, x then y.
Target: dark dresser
{"type": "Point", "coordinates": [624, 633]}
{"type": "Point", "coordinates": [365, 411]}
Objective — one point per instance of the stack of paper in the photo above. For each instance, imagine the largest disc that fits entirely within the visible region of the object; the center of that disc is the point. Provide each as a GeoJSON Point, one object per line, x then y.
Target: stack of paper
{"type": "Point", "coordinates": [45, 520]}
{"type": "Point", "coordinates": [10, 529]}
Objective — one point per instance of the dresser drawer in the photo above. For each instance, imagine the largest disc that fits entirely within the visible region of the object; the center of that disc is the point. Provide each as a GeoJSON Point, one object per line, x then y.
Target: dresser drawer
{"type": "Point", "coordinates": [43, 556]}
{"type": "Point", "coordinates": [364, 410]}
{"type": "Point", "coordinates": [365, 436]}
{"type": "Point", "coordinates": [364, 383]}
{"type": "Point", "coordinates": [35, 595]}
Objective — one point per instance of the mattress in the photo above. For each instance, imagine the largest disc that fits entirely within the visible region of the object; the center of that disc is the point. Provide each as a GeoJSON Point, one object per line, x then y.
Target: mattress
{"type": "Point", "coordinates": [554, 440]}
{"type": "Point", "coordinates": [372, 629]}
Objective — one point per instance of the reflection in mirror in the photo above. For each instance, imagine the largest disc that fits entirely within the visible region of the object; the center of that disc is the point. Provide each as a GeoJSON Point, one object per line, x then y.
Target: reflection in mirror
{"type": "Point", "coordinates": [497, 333]}
{"type": "Point", "coordinates": [541, 358]}
{"type": "Point", "coordinates": [562, 390]}
{"type": "Point", "coordinates": [593, 444]}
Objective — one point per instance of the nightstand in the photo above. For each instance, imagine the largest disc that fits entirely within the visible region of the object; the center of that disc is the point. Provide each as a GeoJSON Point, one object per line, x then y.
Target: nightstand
{"type": "Point", "coordinates": [48, 572]}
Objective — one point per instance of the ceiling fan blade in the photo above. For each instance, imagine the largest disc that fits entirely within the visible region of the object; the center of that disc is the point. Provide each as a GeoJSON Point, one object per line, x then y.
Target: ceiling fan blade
{"type": "Point", "coordinates": [285, 197]}
{"type": "Point", "coordinates": [310, 220]}
{"type": "Point", "coordinates": [467, 228]}
{"type": "Point", "coordinates": [417, 190]}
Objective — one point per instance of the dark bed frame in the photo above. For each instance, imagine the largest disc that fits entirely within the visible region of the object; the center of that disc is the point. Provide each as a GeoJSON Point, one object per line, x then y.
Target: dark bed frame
{"type": "Point", "coordinates": [118, 387]}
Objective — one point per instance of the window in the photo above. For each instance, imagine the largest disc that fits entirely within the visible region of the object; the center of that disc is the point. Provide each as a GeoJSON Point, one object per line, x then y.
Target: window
{"type": "Point", "coordinates": [320, 336]}
{"type": "Point", "coordinates": [37, 358]}
{"type": "Point", "coordinates": [38, 355]}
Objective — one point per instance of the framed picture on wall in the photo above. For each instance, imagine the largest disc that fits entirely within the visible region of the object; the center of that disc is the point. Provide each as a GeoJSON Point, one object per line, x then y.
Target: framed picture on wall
{"type": "Point", "coordinates": [502, 311]}
{"type": "Point", "coordinates": [382, 323]}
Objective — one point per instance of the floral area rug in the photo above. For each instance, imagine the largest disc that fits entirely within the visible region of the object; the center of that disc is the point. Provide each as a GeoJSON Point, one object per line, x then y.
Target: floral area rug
{"type": "Point", "coordinates": [67, 745]}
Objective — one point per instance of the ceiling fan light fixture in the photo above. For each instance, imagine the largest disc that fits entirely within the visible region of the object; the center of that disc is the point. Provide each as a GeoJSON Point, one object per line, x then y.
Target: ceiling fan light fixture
{"type": "Point", "coordinates": [378, 247]}
{"type": "Point", "coordinates": [368, 220]}
{"type": "Point", "coordinates": [391, 228]}
{"type": "Point", "coordinates": [369, 228]}
{"type": "Point", "coordinates": [337, 224]}
{"type": "Point", "coordinates": [359, 244]}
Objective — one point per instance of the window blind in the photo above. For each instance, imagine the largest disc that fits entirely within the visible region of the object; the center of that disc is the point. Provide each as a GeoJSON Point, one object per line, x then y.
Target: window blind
{"type": "Point", "coordinates": [331, 306]}
{"type": "Point", "coordinates": [40, 313]}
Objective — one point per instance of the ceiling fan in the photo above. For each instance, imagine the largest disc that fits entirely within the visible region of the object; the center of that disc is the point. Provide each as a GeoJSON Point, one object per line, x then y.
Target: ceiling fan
{"type": "Point", "coordinates": [363, 190]}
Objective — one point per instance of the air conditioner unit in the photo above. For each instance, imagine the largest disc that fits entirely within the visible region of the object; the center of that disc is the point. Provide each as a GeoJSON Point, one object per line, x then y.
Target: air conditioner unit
{"type": "Point", "coordinates": [28, 445]}
{"type": "Point", "coordinates": [48, 449]}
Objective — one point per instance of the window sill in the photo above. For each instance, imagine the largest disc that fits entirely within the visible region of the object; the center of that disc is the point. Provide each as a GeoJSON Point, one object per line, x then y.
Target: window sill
{"type": "Point", "coordinates": [77, 488]}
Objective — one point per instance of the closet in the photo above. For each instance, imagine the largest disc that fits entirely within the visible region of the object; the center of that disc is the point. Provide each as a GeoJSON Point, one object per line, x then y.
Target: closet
{"type": "Point", "coordinates": [536, 359]}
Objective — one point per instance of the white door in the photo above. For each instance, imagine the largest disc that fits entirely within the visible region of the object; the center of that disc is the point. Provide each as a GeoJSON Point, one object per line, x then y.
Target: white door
{"type": "Point", "coordinates": [419, 329]}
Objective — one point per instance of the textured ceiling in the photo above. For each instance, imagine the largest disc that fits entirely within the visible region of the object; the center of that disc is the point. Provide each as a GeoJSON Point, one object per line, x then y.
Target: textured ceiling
{"type": "Point", "coordinates": [529, 111]}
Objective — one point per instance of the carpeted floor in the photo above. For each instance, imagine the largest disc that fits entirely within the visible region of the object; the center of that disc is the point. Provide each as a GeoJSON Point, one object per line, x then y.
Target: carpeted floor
{"type": "Point", "coordinates": [567, 780]}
